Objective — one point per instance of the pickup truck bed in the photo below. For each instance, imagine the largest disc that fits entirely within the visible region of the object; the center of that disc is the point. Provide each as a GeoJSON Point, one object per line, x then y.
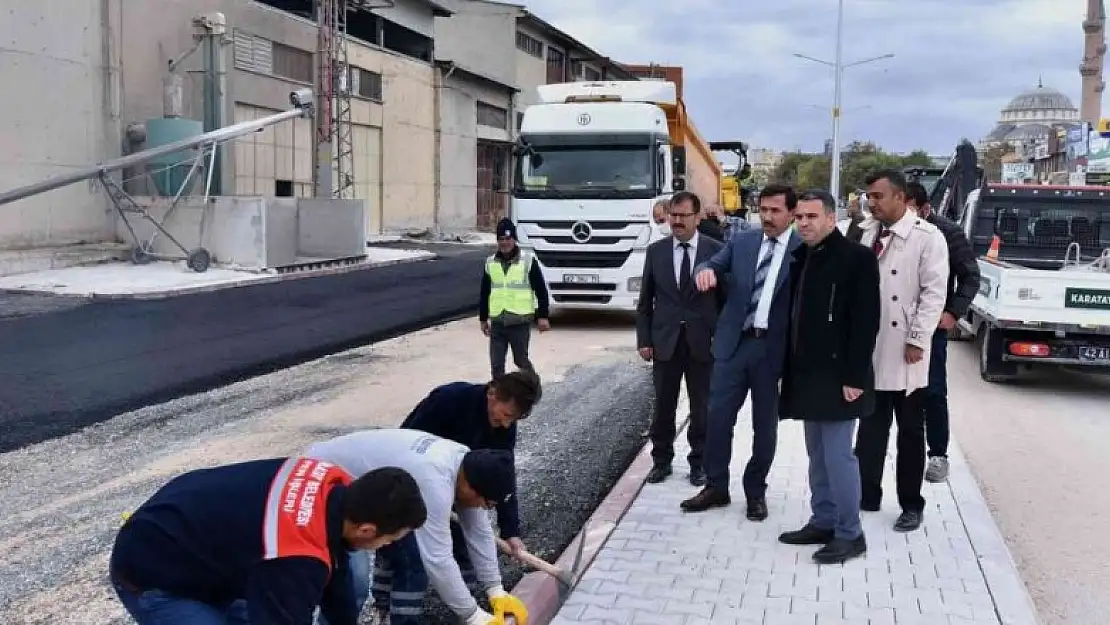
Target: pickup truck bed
{"type": "Point", "coordinates": [1024, 315]}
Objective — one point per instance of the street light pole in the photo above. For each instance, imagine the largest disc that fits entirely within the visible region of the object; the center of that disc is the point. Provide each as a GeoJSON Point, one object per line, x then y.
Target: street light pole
{"type": "Point", "coordinates": [834, 171]}
{"type": "Point", "coordinates": [838, 70]}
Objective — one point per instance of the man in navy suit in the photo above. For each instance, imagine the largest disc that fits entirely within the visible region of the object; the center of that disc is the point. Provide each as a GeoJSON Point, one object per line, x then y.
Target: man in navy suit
{"type": "Point", "coordinates": [748, 349]}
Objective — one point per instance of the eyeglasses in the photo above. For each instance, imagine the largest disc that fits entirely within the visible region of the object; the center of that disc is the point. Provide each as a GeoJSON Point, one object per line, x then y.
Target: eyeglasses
{"type": "Point", "coordinates": [682, 215]}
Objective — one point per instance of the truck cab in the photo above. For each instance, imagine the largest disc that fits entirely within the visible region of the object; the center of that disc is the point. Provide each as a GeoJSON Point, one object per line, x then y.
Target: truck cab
{"type": "Point", "coordinates": [592, 160]}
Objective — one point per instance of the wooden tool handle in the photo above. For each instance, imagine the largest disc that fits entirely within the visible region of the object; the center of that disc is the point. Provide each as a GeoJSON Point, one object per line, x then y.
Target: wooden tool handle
{"type": "Point", "coordinates": [531, 560]}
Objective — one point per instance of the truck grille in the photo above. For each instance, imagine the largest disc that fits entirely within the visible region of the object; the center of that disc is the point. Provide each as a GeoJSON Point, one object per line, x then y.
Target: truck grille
{"type": "Point", "coordinates": [594, 260]}
{"type": "Point", "coordinates": [596, 225]}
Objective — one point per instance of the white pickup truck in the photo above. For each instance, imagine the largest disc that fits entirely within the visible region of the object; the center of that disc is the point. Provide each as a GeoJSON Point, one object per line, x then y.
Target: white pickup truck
{"type": "Point", "coordinates": [1044, 298]}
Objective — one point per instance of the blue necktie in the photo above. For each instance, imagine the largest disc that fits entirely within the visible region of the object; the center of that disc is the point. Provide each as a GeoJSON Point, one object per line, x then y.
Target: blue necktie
{"type": "Point", "coordinates": [761, 272]}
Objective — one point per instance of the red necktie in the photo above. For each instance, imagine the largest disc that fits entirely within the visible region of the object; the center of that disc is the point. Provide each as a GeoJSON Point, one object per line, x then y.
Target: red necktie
{"type": "Point", "coordinates": [877, 245]}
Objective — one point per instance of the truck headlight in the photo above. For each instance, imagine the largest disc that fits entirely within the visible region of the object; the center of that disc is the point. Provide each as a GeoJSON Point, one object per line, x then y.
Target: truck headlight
{"type": "Point", "coordinates": [634, 285]}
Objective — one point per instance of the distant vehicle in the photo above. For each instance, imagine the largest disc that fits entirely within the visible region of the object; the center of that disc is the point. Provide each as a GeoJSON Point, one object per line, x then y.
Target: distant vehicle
{"type": "Point", "coordinates": [593, 159]}
{"type": "Point", "coordinates": [1045, 291]}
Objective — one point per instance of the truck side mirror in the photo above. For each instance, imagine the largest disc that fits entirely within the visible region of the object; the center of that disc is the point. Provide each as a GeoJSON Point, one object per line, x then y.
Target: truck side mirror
{"type": "Point", "coordinates": [678, 160]}
{"type": "Point", "coordinates": [678, 184]}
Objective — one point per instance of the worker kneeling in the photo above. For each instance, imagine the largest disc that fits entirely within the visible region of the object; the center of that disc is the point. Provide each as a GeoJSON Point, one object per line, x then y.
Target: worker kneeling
{"type": "Point", "coordinates": [258, 543]}
{"type": "Point", "coordinates": [451, 477]}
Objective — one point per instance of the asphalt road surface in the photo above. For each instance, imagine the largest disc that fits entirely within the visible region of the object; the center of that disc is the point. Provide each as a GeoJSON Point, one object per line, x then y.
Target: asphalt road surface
{"type": "Point", "coordinates": [65, 363]}
{"type": "Point", "coordinates": [1040, 448]}
{"type": "Point", "coordinates": [63, 497]}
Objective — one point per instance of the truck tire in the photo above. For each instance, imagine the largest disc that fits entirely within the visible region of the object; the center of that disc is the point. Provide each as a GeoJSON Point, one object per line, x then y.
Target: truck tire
{"type": "Point", "coordinates": [991, 367]}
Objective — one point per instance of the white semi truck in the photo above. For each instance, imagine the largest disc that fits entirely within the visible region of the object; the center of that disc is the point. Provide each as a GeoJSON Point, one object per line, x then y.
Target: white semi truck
{"type": "Point", "coordinates": [592, 160]}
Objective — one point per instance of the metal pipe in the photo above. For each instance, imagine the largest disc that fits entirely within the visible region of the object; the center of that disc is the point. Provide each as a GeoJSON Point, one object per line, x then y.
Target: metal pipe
{"type": "Point", "coordinates": [304, 109]}
{"type": "Point", "coordinates": [834, 173]}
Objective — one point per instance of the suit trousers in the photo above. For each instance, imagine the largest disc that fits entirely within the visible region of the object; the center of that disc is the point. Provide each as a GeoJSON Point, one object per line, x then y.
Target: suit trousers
{"type": "Point", "coordinates": [833, 478]}
{"type": "Point", "coordinates": [747, 370]}
{"type": "Point", "coordinates": [667, 376]}
{"type": "Point", "coordinates": [936, 397]}
{"type": "Point", "coordinates": [871, 445]}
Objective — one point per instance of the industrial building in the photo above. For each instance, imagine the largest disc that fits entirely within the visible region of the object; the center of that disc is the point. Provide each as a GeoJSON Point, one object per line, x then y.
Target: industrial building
{"type": "Point", "coordinates": [431, 101]}
{"type": "Point", "coordinates": [493, 55]}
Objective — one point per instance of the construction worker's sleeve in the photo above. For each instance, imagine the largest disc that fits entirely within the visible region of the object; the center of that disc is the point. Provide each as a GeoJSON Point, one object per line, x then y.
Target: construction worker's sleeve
{"type": "Point", "coordinates": [286, 591]}
{"type": "Point", "coordinates": [429, 415]}
{"type": "Point", "coordinates": [483, 295]}
{"type": "Point", "coordinates": [338, 603]}
{"type": "Point", "coordinates": [539, 288]}
{"type": "Point", "coordinates": [437, 553]}
{"type": "Point", "coordinates": [508, 517]}
{"type": "Point", "coordinates": [478, 534]}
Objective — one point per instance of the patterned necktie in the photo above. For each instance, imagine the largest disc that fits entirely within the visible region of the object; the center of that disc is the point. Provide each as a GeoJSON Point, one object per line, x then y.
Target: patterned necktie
{"type": "Point", "coordinates": [684, 269]}
{"type": "Point", "coordinates": [877, 245]}
{"type": "Point", "coordinates": [760, 277]}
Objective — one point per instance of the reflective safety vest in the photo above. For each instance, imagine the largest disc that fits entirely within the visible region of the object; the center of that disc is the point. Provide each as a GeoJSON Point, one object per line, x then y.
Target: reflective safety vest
{"type": "Point", "coordinates": [511, 291]}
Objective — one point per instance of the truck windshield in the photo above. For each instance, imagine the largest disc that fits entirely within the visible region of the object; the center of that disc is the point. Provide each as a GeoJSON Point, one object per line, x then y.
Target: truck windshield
{"type": "Point", "coordinates": [586, 172]}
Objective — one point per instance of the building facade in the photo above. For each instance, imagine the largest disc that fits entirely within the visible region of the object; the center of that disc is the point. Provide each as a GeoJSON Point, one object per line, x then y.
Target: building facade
{"type": "Point", "coordinates": [492, 56]}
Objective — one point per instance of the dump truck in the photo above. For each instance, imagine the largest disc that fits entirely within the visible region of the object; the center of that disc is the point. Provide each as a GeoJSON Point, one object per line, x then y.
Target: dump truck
{"type": "Point", "coordinates": [591, 161]}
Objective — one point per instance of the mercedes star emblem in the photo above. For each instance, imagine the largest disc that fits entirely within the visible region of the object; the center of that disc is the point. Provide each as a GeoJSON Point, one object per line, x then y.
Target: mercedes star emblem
{"type": "Point", "coordinates": [581, 232]}
{"type": "Point", "coordinates": [584, 119]}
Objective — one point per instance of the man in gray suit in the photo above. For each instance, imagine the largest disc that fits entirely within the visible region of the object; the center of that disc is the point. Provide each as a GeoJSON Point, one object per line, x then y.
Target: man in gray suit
{"type": "Point", "coordinates": [674, 330]}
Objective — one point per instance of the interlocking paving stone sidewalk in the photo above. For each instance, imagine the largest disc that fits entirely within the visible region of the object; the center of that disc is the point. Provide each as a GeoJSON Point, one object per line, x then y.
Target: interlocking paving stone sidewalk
{"type": "Point", "coordinates": [663, 566]}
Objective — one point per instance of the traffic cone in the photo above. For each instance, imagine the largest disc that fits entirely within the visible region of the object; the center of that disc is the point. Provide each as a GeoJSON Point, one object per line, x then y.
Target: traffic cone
{"type": "Point", "coordinates": [992, 253]}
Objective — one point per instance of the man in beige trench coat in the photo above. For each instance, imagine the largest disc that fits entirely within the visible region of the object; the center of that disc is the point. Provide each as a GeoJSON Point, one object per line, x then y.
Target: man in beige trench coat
{"type": "Point", "coordinates": [913, 272]}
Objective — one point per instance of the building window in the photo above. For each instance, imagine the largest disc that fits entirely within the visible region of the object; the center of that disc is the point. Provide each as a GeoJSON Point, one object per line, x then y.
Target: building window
{"type": "Point", "coordinates": [366, 84]}
{"type": "Point", "coordinates": [291, 63]}
{"type": "Point", "coordinates": [592, 74]}
{"type": "Point", "coordinates": [556, 66]}
{"type": "Point", "coordinates": [406, 41]}
{"type": "Point", "coordinates": [519, 121]}
{"type": "Point", "coordinates": [492, 116]}
{"type": "Point", "coordinates": [576, 69]}
{"type": "Point", "coordinates": [529, 44]}
{"type": "Point", "coordinates": [283, 188]}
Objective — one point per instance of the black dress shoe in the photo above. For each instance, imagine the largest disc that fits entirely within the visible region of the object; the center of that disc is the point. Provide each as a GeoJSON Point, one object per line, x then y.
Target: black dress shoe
{"type": "Point", "coordinates": [808, 535]}
{"type": "Point", "coordinates": [658, 473]}
{"type": "Point", "coordinates": [908, 521]}
{"type": "Point", "coordinates": [706, 499]}
{"type": "Point", "coordinates": [839, 550]}
{"type": "Point", "coordinates": [757, 509]}
{"type": "Point", "coordinates": [869, 506]}
{"type": "Point", "coordinates": [697, 476]}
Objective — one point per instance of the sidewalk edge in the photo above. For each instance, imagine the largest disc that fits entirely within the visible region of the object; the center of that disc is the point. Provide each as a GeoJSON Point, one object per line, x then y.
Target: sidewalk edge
{"type": "Point", "coordinates": [1011, 598]}
{"type": "Point", "coordinates": [540, 592]}
{"type": "Point", "coordinates": [268, 278]}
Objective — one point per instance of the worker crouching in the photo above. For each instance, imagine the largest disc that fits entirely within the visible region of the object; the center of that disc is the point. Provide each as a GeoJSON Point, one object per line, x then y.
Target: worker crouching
{"type": "Point", "coordinates": [456, 483]}
{"type": "Point", "coordinates": [258, 543]}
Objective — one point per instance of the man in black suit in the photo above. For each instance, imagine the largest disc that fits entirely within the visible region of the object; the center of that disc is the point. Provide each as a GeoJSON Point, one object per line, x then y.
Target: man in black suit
{"type": "Point", "coordinates": [674, 329]}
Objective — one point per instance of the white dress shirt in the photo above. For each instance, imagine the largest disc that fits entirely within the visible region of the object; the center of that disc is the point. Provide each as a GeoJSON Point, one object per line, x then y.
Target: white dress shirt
{"type": "Point", "coordinates": [693, 243]}
{"type": "Point", "coordinates": [763, 310]}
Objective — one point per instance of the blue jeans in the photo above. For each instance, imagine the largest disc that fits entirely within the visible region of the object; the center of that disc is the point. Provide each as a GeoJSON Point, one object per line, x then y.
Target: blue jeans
{"type": "Point", "coordinates": [156, 607]}
{"type": "Point", "coordinates": [935, 399]}
{"type": "Point", "coordinates": [834, 480]}
{"type": "Point", "coordinates": [360, 580]}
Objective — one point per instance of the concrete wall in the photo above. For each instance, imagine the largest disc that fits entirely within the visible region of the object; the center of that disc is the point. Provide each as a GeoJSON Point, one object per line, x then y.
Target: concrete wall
{"type": "Point", "coordinates": [482, 38]}
{"type": "Point", "coordinates": [160, 29]}
{"type": "Point", "coordinates": [57, 69]}
{"type": "Point", "coordinates": [459, 132]}
{"type": "Point", "coordinates": [256, 232]}
{"type": "Point", "coordinates": [530, 71]}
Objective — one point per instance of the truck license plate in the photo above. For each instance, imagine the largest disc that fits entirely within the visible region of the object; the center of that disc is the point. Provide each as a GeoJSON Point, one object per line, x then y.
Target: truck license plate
{"type": "Point", "coordinates": [580, 278]}
{"type": "Point", "coordinates": [1095, 354]}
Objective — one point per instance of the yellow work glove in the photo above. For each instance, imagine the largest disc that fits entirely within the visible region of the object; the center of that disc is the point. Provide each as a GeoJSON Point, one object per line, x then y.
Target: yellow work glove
{"type": "Point", "coordinates": [504, 604]}
{"type": "Point", "coordinates": [481, 617]}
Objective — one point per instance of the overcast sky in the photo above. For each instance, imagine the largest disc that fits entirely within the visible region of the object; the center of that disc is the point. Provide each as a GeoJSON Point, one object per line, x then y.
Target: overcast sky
{"type": "Point", "coordinates": [957, 62]}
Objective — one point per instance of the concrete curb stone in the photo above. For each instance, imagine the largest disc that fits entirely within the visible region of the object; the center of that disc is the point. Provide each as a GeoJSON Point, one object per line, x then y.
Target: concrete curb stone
{"type": "Point", "coordinates": [189, 290]}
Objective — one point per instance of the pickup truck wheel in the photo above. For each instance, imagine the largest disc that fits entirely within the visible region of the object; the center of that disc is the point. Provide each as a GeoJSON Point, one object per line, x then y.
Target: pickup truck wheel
{"type": "Point", "coordinates": [991, 367]}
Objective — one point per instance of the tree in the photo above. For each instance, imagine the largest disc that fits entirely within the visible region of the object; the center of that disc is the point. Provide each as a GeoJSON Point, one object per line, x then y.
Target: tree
{"type": "Point", "coordinates": [858, 160]}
